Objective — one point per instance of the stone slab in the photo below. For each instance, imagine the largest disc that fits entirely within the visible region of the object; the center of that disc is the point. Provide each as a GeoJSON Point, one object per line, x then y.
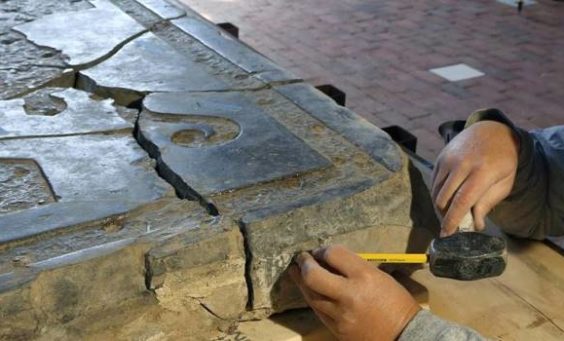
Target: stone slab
{"type": "Point", "coordinates": [219, 142]}
{"type": "Point", "coordinates": [77, 114]}
{"type": "Point", "coordinates": [356, 129]}
{"type": "Point", "coordinates": [25, 66]}
{"type": "Point", "coordinates": [58, 216]}
{"type": "Point", "coordinates": [149, 64]}
{"type": "Point", "coordinates": [22, 185]}
{"type": "Point", "coordinates": [102, 30]}
{"type": "Point", "coordinates": [368, 200]}
{"type": "Point", "coordinates": [163, 8]}
{"type": "Point", "coordinates": [380, 217]}
{"type": "Point", "coordinates": [69, 296]}
{"type": "Point", "coordinates": [283, 170]}
{"type": "Point", "coordinates": [77, 169]}
{"type": "Point", "coordinates": [233, 49]}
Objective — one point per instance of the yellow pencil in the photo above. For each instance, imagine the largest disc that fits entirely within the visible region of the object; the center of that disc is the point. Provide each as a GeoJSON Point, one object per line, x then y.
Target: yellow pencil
{"type": "Point", "coordinates": [395, 257]}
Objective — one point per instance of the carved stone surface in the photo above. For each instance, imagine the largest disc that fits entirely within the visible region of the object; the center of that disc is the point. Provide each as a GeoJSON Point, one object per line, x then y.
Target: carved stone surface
{"type": "Point", "coordinates": [78, 113]}
{"type": "Point", "coordinates": [22, 185]}
{"type": "Point", "coordinates": [232, 49]}
{"type": "Point", "coordinates": [77, 169]}
{"type": "Point", "coordinates": [163, 8]}
{"type": "Point", "coordinates": [286, 175]}
{"type": "Point", "coordinates": [356, 129]}
{"type": "Point", "coordinates": [24, 65]}
{"type": "Point", "coordinates": [108, 30]}
{"type": "Point", "coordinates": [98, 241]}
{"type": "Point", "coordinates": [219, 142]}
{"type": "Point", "coordinates": [148, 64]}
{"type": "Point", "coordinates": [109, 275]}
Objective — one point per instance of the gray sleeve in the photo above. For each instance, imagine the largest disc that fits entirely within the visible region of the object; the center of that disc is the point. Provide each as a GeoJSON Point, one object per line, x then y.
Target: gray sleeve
{"type": "Point", "coordinates": [535, 206]}
{"type": "Point", "coordinates": [427, 327]}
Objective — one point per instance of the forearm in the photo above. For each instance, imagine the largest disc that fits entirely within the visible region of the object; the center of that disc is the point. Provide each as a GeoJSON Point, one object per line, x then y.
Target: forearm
{"type": "Point", "coordinates": [428, 327]}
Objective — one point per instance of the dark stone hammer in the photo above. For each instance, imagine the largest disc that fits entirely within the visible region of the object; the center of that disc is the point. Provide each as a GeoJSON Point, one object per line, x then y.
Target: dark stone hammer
{"type": "Point", "coordinates": [466, 255]}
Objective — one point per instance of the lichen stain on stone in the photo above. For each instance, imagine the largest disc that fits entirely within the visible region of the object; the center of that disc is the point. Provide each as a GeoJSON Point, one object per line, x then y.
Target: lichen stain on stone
{"type": "Point", "coordinates": [66, 299]}
{"type": "Point", "coordinates": [24, 65]}
{"type": "Point", "coordinates": [22, 185]}
{"type": "Point", "coordinates": [106, 29]}
{"type": "Point", "coordinates": [43, 103]}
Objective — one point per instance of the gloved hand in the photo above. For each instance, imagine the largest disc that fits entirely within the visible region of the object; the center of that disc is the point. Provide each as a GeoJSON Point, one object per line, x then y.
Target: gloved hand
{"type": "Point", "coordinates": [474, 172]}
{"type": "Point", "coordinates": [355, 300]}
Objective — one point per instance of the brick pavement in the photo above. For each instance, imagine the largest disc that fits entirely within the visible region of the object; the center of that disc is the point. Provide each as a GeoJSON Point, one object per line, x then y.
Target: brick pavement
{"type": "Point", "coordinates": [379, 52]}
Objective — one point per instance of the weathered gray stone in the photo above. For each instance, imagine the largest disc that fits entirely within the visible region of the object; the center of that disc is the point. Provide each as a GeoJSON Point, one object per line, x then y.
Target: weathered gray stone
{"type": "Point", "coordinates": [94, 233]}
{"type": "Point", "coordinates": [233, 50]}
{"type": "Point", "coordinates": [163, 8]}
{"type": "Point", "coordinates": [77, 113]}
{"type": "Point", "coordinates": [218, 142]}
{"type": "Point", "coordinates": [94, 244]}
{"type": "Point", "coordinates": [148, 64]}
{"type": "Point", "coordinates": [78, 170]}
{"type": "Point", "coordinates": [356, 129]}
{"type": "Point", "coordinates": [25, 66]}
{"type": "Point", "coordinates": [113, 291]}
{"type": "Point", "coordinates": [210, 261]}
{"type": "Point", "coordinates": [374, 217]}
{"type": "Point", "coordinates": [354, 195]}
{"type": "Point", "coordinates": [102, 30]}
{"type": "Point", "coordinates": [22, 185]}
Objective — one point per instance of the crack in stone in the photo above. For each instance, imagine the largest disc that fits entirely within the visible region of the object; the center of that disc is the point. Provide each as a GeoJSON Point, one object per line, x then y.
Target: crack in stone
{"type": "Point", "coordinates": [74, 79]}
{"type": "Point", "coordinates": [248, 265]}
{"type": "Point", "coordinates": [148, 274]}
{"type": "Point", "coordinates": [66, 80]}
{"type": "Point", "coordinates": [183, 190]}
{"type": "Point", "coordinates": [98, 132]}
{"type": "Point", "coordinates": [208, 309]}
{"type": "Point", "coordinates": [111, 53]}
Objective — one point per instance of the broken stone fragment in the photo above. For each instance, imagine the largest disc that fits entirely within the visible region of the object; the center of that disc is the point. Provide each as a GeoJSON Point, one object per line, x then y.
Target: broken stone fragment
{"type": "Point", "coordinates": [376, 216]}
{"type": "Point", "coordinates": [107, 291]}
{"type": "Point", "coordinates": [25, 66]}
{"type": "Point", "coordinates": [149, 64]}
{"type": "Point", "coordinates": [212, 262]}
{"type": "Point", "coordinates": [102, 30]}
{"type": "Point", "coordinates": [56, 112]}
{"type": "Point", "coordinates": [76, 169]}
{"type": "Point", "coordinates": [109, 249]}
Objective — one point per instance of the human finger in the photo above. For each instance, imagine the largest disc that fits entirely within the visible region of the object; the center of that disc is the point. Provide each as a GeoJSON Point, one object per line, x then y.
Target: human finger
{"type": "Point", "coordinates": [489, 200]}
{"type": "Point", "coordinates": [440, 173]}
{"type": "Point", "coordinates": [314, 300]}
{"type": "Point", "coordinates": [341, 259]}
{"type": "Point", "coordinates": [451, 184]}
{"type": "Point", "coordinates": [317, 278]}
{"type": "Point", "coordinates": [463, 200]}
